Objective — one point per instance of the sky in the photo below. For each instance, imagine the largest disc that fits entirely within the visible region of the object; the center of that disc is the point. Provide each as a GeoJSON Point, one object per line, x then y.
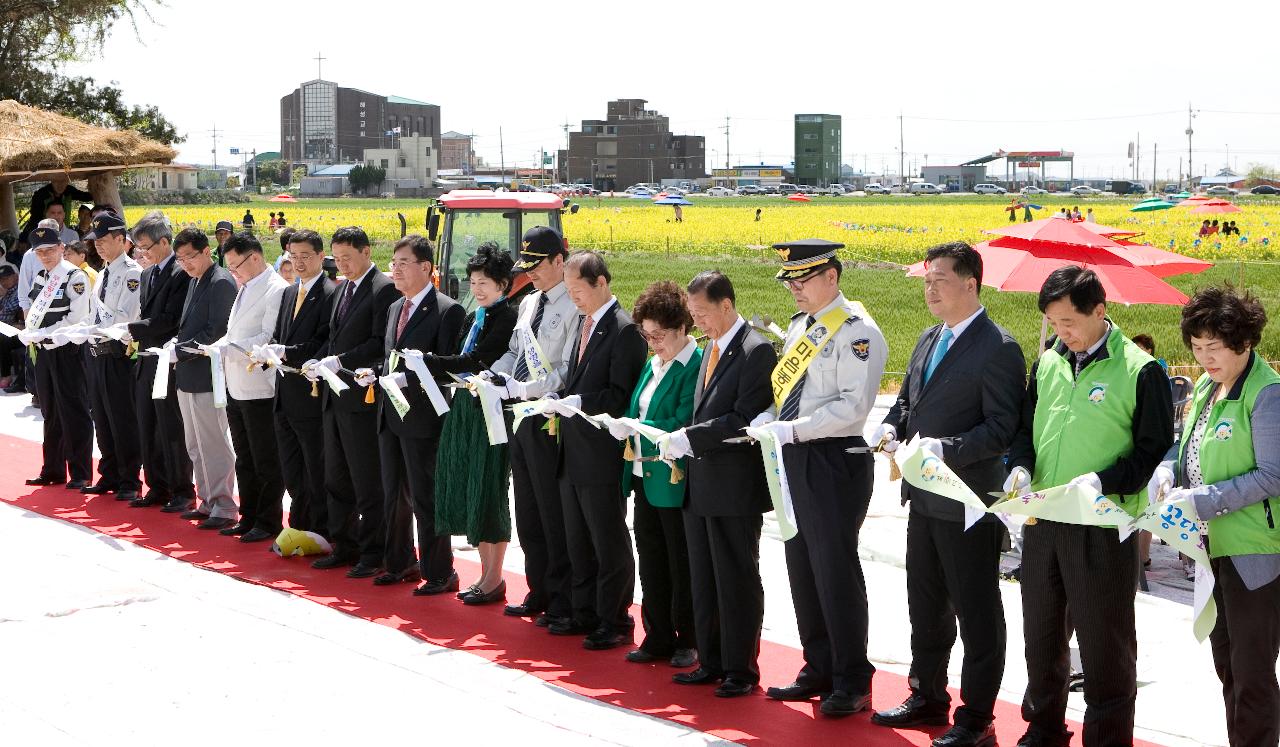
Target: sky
{"type": "Point", "coordinates": [966, 78]}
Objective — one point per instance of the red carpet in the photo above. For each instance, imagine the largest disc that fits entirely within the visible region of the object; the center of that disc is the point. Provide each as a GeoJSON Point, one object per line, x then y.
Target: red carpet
{"type": "Point", "coordinates": [510, 642]}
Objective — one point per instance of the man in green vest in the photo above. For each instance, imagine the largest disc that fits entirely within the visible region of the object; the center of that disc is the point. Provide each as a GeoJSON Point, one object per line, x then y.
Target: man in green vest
{"type": "Point", "coordinates": [1098, 413]}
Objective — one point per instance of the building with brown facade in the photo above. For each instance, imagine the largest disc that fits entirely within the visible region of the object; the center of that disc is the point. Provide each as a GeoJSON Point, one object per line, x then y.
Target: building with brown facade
{"type": "Point", "coordinates": [456, 152]}
{"type": "Point", "coordinates": [631, 144]}
{"type": "Point", "coordinates": [323, 123]}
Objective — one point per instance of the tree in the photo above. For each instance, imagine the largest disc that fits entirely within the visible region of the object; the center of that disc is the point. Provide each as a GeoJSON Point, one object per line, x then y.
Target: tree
{"type": "Point", "coordinates": [1260, 173]}
{"type": "Point", "coordinates": [37, 37]}
{"type": "Point", "coordinates": [362, 177]}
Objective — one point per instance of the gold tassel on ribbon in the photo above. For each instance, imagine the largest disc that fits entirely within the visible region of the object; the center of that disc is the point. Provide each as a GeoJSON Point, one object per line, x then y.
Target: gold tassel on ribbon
{"type": "Point", "coordinates": [368, 395]}
{"type": "Point", "coordinates": [677, 474]}
{"type": "Point", "coordinates": [627, 452]}
{"type": "Point", "coordinates": [552, 425]}
{"type": "Point", "coordinates": [315, 389]}
{"type": "Point", "coordinates": [894, 472]}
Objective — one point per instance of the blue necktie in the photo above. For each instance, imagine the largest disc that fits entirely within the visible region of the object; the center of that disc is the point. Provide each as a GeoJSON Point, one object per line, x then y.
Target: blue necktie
{"type": "Point", "coordinates": [939, 351]}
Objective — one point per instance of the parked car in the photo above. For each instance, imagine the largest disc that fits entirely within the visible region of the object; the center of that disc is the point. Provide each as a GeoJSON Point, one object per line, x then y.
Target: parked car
{"type": "Point", "coordinates": [1031, 190]}
{"type": "Point", "coordinates": [674, 191]}
{"type": "Point", "coordinates": [750, 189]}
{"type": "Point", "coordinates": [1264, 189]}
{"type": "Point", "coordinates": [1221, 190]}
{"type": "Point", "coordinates": [925, 188]}
{"type": "Point", "coordinates": [989, 189]}
{"type": "Point", "coordinates": [719, 192]}
{"type": "Point", "coordinates": [1084, 190]}
{"type": "Point", "coordinates": [835, 190]}
{"type": "Point", "coordinates": [769, 189]}
{"type": "Point", "coordinates": [875, 188]}
{"type": "Point", "coordinates": [787, 189]}
{"type": "Point", "coordinates": [1171, 189]}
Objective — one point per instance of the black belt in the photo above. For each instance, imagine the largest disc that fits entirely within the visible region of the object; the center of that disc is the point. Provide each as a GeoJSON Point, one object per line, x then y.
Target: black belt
{"type": "Point", "coordinates": [110, 348]}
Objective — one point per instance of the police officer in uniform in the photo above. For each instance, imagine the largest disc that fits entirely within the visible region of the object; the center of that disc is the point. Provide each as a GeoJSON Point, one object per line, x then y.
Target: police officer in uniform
{"type": "Point", "coordinates": [110, 369]}
{"type": "Point", "coordinates": [64, 401]}
{"type": "Point", "coordinates": [545, 315]}
{"type": "Point", "coordinates": [824, 386]}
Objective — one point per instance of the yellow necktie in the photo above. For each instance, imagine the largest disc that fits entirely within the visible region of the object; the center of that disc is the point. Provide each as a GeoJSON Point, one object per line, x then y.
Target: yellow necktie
{"type": "Point", "coordinates": [711, 363]}
{"type": "Point", "coordinates": [302, 296]}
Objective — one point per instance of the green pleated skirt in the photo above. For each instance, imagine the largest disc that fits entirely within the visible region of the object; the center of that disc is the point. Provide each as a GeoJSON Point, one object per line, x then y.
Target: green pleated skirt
{"type": "Point", "coordinates": [471, 477]}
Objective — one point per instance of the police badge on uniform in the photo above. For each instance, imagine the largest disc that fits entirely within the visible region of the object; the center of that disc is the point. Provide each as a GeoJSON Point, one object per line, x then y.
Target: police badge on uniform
{"type": "Point", "coordinates": [861, 348]}
{"type": "Point", "coordinates": [554, 321]}
{"type": "Point", "coordinates": [131, 284]}
{"type": "Point", "coordinates": [78, 287]}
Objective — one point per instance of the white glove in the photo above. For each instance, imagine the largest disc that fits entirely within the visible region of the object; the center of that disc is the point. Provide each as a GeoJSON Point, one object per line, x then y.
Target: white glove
{"type": "Point", "coordinates": [400, 380]}
{"type": "Point", "coordinates": [364, 376]}
{"type": "Point", "coordinates": [126, 338]}
{"type": "Point", "coordinates": [309, 370]}
{"type": "Point", "coordinates": [276, 350]}
{"type": "Point", "coordinates": [888, 435]}
{"type": "Point", "coordinates": [785, 430]}
{"type": "Point", "coordinates": [30, 336]}
{"type": "Point", "coordinates": [1090, 481]}
{"type": "Point", "coordinates": [1177, 494]}
{"type": "Point", "coordinates": [675, 445]}
{"type": "Point", "coordinates": [618, 430]}
{"type": "Point", "coordinates": [173, 355]}
{"type": "Point", "coordinates": [332, 363]}
{"type": "Point", "coordinates": [1161, 481]}
{"type": "Point", "coordinates": [931, 445]}
{"type": "Point", "coordinates": [517, 389]}
{"type": "Point", "coordinates": [1018, 482]}
{"type": "Point", "coordinates": [573, 400]}
{"type": "Point", "coordinates": [486, 374]}
{"type": "Point", "coordinates": [762, 419]}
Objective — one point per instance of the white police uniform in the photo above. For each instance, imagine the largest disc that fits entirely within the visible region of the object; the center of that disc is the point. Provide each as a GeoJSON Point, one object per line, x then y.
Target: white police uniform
{"type": "Point", "coordinates": [116, 300]}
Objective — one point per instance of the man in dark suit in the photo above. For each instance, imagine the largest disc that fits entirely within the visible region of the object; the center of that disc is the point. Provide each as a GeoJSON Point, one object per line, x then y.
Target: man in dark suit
{"type": "Point", "coordinates": [204, 420]}
{"type": "Point", "coordinates": [430, 322]}
{"type": "Point", "coordinates": [727, 490]}
{"type": "Point", "coordinates": [357, 328]}
{"type": "Point", "coordinates": [164, 291]}
{"type": "Point", "coordinates": [603, 368]}
{"type": "Point", "coordinates": [962, 396]}
{"type": "Point", "coordinates": [302, 327]}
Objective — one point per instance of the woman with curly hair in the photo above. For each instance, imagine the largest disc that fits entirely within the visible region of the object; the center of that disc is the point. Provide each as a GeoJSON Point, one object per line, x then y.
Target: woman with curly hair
{"type": "Point", "coordinates": [662, 398]}
{"type": "Point", "coordinates": [471, 476]}
{"type": "Point", "coordinates": [1228, 467]}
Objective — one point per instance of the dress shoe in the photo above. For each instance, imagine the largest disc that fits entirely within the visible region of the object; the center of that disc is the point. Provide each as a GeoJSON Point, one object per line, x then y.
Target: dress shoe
{"type": "Point", "coordinates": [732, 687]}
{"type": "Point", "coordinates": [257, 535]}
{"type": "Point", "coordinates": [568, 626]}
{"type": "Point", "coordinates": [963, 736]}
{"type": "Point", "coordinates": [439, 586]}
{"type": "Point", "coordinates": [127, 495]}
{"type": "Point", "coordinates": [149, 500]}
{"type": "Point", "coordinates": [796, 691]}
{"type": "Point", "coordinates": [603, 639]}
{"type": "Point", "coordinates": [212, 523]}
{"type": "Point", "coordinates": [408, 574]}
{"type": "Point", "coordinates": [363, 570]}
{"type": "Point", "coordinates": [472, 589]}
{"type": "Point", "coordinates": [178, 506]}
{"type": "Point", "coordinates": [193, 515]}
{"type": "Point", "coordinates": [640, 656]}
{"type": "Point", "coordinates": [497, 594]}
{"type": "Point", "coordinates": [524, 609]}
{"type": "Point", "coordinates": [684, 657]}
{"type": "Point", "coordinates": [333, 560]}
{"type": "Point", "coordinates": [98, 489]}
{"type": "Point", "coordinates": [77, 485]}
{"type": "Point", "coordinates": [914, 710]}
{"type": "Point", "coordinates": [841, 703]}
{"type": "Point", "coordinates": [545, 620]}
{"type": "Point", "coordinates": [699, 676]}
{"type": "Point", "coordinates": [237, 529]}
{"type": "Point", "coordinates": [42, 480]}
{"type": "Point", "coordinates": [1034, 738]}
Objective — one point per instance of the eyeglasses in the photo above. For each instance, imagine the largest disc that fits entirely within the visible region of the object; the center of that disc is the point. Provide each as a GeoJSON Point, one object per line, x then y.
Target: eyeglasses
{"type": "Point", "coordinates": [239, 264]}
{"type": "Point", "coordinates": [798, 284]}
{"type": "Point", "coordinates": [656, 336]}
{"type": "Point", "coordinates": [187, 259]}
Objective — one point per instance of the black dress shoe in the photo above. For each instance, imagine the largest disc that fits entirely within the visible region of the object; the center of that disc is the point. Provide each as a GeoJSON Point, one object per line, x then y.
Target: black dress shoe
{"type": "Point", "coordinates": [497, 594]}
{"type": "Point", "coordinates": [963, 736]}
{"type": "Point", "coordinates": [640, 656]}
{"type": "Point", "coordinates": [97, 489]}
{"type": "Point", "coordinates": [237, 529]}
{"type": "Point", "coordinates": [257, 535]}
{"type": "Point", "coordinates": [732, 687]}
{"type": "Point", "coordinates": [545, 620]}
{"type": "Point", "coordinates": [177, 506]}
{"type": "Point", "coordinates": [472, 589]}
{"type": "Point", "coordinates": [684, 657]}
{"type": "Point", "coordinates": [42, 480]}
{"type": "Point", "coordinates": [127, 495]}
{"type": "Point", "coordinates": [193, 514]}
{"type": "Point", "coordinates": [568, 626]}
{"type": "Point", "coordinates": [333, 560]}
{"type": "Point", "coordinates": [699, 676]}
{"type": "Point", "coordinates": [841, 703]}
{"type": "Point", "coordinates": [1035, 738]}
{"type": "Point", "coordinates": [914, 710]}
{"type": "Point", "coordinates": [524, 609]}
{"type": "Point", "coordinates": [149, 500]}
{"type": "Point", "coordinates": [77, 485]}
{"type": "Point", "coordinates": [796, 692]}
{"type": "Point", "coordinates": [408, 574]}
{"type": "Point", "coordinates": [212, 523]}
{"type": "Point", "coordinates": [439, 586]}
{"type": "Point", "coordinates": [363, 570]}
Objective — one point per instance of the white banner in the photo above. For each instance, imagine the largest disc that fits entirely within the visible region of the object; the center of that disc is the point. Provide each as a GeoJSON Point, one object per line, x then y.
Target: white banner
{"type": "Point", "coordinates": [413, 359]}
{"type": "Point", "coordinates": [160, 384]}
{"type": "Point", "coordinates": [394, 394]}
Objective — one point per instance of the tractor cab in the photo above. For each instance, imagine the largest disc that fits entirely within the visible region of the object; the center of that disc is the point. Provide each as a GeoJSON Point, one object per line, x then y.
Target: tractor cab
{"type": "Point", "coordinates": [474, 216]}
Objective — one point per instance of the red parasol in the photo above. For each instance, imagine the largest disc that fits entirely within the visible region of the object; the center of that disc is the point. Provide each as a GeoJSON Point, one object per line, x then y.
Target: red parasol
{"type": "Point", "coordinates": [283, 197]}
{"type": "Point", "coordinates": [1064, 232]}
{"type": "Point", "coordinates": [1215, 206]}
{"type": "Point", "coordinates": [798, 197]}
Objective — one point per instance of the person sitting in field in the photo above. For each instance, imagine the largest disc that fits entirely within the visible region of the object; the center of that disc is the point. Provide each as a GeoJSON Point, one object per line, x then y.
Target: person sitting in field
{"type": "Point", "coordinates": [273, 223]}
{"type": "Point", "coordinates": [1205, 228]}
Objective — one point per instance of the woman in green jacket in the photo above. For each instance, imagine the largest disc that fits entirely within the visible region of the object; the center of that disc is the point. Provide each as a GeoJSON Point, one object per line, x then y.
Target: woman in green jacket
{"type": "Point", "coordinates": [663, 398]}
{"type": "Point", "coordinates": [1228, 467]}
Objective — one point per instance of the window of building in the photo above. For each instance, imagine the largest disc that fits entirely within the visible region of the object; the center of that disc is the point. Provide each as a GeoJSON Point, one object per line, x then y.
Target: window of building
{"type": "Point", "coordinates": [653, 146]}
{"type": "Point", "coordinates": [588, 130]}
{"type": "Point", "coordinates": [611, 130]}
{"type": "Point", "coordinates": [319, 120]}
{"type": "Point", "coordinates": [810, 136]}
{"type": "Point", "coordinates": [164, 180]}
{"type": "Point", "coordinates": [419, 130]}
{"type": "Point", "coordinates": [384, 163]}
{"type": "Point", "coordinates": [402, 162]}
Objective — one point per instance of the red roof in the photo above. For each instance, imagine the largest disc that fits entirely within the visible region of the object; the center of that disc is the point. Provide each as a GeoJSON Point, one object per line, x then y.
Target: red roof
{"type": "Point", "coordinates": [480, 199]}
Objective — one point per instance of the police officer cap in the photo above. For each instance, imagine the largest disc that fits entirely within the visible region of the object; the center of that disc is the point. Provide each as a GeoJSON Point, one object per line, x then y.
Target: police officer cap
{"type": "Point", "coordinates": [224, 225]}
{"type": "Point", "coordinates": [540, 242]}
{"type": "Point", "coordinates": [42, 237]}
{"type": "Point", "coordinates": [103, 224]}
{"type": "Point", "coordinates": [804, 257]}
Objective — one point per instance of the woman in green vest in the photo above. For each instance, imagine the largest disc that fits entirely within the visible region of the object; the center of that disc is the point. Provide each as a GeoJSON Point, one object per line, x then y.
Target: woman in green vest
{"type": "Point", "coordinates": [1228, 466]}
{"type": "Point", "coordinates": [663, 398]}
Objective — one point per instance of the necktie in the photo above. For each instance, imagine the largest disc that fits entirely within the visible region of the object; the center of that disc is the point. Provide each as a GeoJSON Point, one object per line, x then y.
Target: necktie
{"type": "Point", "coordinates": [711, 363]}
{"type": "Point", "coordinates": [347, 293]}
{"type": "Point", "coordinates": [1080, 361]}
{"type": "Point", "coordinates": [302, 297]}
{"type": "Point", "coordinates": [405, 311]}
{"type": "Point", "coordinates": [791, 405]}
{"type": "Point", "coordinates": [587, 324]}
{"type": "Point", "coordinates": [191, 292]}
{"type": "Point", "coordinates": [939, 352]}
{"type": "Point", "coordinates": [102, 284]}
{"type": "Point", "coordinates": [521, 371]}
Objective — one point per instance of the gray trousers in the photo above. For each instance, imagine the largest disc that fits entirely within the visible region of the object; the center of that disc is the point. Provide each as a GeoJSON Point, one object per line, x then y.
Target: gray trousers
{"type": "Point", "coordinates": [212, 458]}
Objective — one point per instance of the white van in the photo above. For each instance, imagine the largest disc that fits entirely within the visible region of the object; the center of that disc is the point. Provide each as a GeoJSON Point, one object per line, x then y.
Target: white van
{"type": "Point", "coordinates": [925, 188]}
{"type": "Point", "coordinates": [989, 189]}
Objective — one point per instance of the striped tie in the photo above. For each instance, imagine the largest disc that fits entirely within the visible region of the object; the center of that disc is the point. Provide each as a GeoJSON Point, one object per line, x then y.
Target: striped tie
{"type": "Point", "coordinates": [790, 409]}
{"type": "Point", "coordinates": [521, 371]}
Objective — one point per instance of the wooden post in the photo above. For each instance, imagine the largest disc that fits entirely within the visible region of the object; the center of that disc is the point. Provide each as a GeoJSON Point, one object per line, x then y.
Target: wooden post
{"type": "Point", "coordinates": [105, 190]}
{"type": "Point", "coordinates": [8, 212]}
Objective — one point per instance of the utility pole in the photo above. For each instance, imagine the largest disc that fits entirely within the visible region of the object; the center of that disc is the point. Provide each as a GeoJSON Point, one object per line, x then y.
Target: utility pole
{"type": "Point", "coordinates": [1137, 157]}
{"type": "Point", "coordinates": [1155, 153]}
{"type": "Point", "coordinates": [254, 165]}
{"type": "Point", "coordinates": [902, 155]}
{"type": "Point", "coordinates": [215, 145]}
{"type": "Point", "coordinates": [726, 141]}
{"type": "Point", "coordinates": [1190, 115]}
{"type": "Point", "coordinates": [502, 159]}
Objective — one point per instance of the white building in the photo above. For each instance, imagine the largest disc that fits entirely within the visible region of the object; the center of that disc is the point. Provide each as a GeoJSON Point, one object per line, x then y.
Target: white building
{"type": "Point", "coordinates": [411, 164]}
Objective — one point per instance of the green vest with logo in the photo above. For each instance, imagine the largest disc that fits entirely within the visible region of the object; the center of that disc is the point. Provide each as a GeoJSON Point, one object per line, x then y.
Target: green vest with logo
{"type": "Point", "coordinates": [1226, 451]}
{"type": "Point", "coordinates": [1085, 424]}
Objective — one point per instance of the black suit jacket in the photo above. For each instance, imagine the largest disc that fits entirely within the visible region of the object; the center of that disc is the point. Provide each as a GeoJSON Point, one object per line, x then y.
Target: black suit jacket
{"type": "Point", "coordinates": [302, 337]}
{"type": "Point", "coordinates": [359, 338]}
{"type": "Point", "coordinates": [162, 302]}
{"type": "Point", "coordinates": [204, 322]}
{"type": "Point", "coordinates": [728, 479]}
{"type": "Point", "coordinates": [972, 403]}
{"type": "Point", "coordinates": [433, 327]}
{"type": "Point", "coordinates": [605, 378]}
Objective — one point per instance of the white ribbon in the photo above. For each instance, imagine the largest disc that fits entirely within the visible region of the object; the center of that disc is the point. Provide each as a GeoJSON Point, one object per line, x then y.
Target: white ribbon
{"type": "Point", "coordinates": [160, 384]}
{"type": "Point", "coordinates": [47, 295]}
{"type": "Point", "coordinates": [394, 394]}
{"type": "Point", "coordinates": [491, 405]}
{"type": "Point", "coordinates": [775, 473]}
{"type": "Point", "coordinates": [337, 385]}
{"type": "Point", "coordinates": [218, 373]}
{"type": "Point", "coordinates": [413, 359]}
{"type": "Point", "coordinates": [8, 330]}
